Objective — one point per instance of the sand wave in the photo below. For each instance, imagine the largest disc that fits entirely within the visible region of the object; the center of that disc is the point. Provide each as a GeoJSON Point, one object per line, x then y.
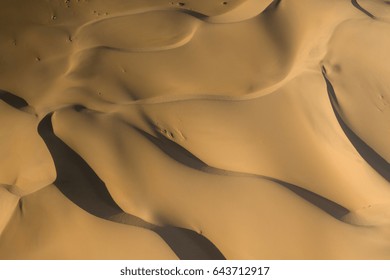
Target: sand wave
{"type": "Point", "coordinates": [194, 130]}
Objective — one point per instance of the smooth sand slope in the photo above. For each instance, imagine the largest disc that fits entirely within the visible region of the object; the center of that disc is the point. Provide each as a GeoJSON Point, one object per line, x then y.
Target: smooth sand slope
{"type": "Point", "coordinates": [200, 129]}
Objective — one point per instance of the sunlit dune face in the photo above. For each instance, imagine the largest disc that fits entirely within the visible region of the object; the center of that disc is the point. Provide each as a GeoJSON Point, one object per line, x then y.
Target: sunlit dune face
{"type": "Point", "coordinates": [243, 129]}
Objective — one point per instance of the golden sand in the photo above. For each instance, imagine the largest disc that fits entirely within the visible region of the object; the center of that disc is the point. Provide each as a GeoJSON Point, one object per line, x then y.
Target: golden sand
{"type": "Point", "coordinates": [199, 129]}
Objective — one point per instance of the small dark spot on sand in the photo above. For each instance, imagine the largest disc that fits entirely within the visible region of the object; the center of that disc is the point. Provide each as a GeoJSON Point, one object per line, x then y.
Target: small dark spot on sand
{"type": "Point", "coordinates": [336, 68]}
{"type": "Point", "coordinates": [21, 208]}
{"type": "Point", "coordinates": [38, 58]}
{"type": "Point", "coordinates": [79, 108]}
{"type": "Point", "coordinates": [224, 3]}
{"type": "Point", "coordinates": [181, 4]}
{"type": "Point", "coordinates": [53, 17]}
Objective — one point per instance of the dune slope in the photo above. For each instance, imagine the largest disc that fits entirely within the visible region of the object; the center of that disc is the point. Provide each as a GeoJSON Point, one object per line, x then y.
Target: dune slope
{"type": "Point", "coordinates": [239, 129]}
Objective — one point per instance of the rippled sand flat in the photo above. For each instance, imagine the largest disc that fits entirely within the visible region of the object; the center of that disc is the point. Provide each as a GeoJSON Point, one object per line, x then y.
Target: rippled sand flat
{"type": "Point", "coordinates": [199, 129]}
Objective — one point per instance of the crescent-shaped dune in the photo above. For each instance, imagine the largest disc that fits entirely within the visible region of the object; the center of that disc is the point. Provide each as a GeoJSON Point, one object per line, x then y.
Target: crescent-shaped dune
{"type": "Point", "coordinates": [239, 129]}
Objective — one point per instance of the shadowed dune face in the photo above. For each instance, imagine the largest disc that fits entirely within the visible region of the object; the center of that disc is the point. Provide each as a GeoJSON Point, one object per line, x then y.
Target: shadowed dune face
{"type": "Point", "coordinates": [13, 100]}
{"type": "Point", "coordinates": [371, 157]}
{"type": "Point", "coordinates": [240, 129]}
{"type": "Point", "coordinates": [79, 183]}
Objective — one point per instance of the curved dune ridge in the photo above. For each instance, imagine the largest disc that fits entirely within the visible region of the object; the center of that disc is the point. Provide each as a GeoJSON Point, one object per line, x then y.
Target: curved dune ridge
{"type": "Point", "coordinates": [238, 129]}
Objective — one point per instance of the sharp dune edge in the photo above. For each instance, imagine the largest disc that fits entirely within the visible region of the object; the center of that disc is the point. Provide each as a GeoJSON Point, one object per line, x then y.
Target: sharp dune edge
{"type": "Point", "coordinates": [195, 130]}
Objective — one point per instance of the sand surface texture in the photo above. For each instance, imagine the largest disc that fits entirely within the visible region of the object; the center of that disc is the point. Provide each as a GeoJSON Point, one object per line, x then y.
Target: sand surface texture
{"type": "Point", "coordinates": [200, 129]}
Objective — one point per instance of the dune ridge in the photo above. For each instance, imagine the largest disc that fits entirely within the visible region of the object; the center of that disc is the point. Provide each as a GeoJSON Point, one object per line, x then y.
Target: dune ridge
{"type": "Point", "coordinates": [241, 129]}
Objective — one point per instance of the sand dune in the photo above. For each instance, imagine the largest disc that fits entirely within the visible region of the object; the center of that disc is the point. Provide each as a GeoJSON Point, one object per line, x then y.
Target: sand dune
{"type": "Point", "coordinates": [240, 129]}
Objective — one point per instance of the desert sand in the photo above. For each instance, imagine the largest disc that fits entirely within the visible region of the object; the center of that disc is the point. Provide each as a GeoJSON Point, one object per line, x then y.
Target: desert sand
{"type": "Point", "coordinates": [199, 129]}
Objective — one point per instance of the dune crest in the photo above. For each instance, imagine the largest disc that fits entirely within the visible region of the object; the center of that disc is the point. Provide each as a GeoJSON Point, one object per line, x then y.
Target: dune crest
{"type": "Point", "coordinates": [244, 11]}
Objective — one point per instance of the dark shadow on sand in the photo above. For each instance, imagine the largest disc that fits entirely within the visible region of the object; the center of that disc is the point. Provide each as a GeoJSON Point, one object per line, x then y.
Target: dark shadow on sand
{"type": "Point", "coordinates": [13, 100]}
{"type": "Point", "coordinates": [360, 8]}
{"type": "Point", "coordinates": [75, 178]}
{"type": "Point", "coordinates": [332, 208]}
{"type": "Point", "coordinates": [379, 164]}
{"type": "Point", "coordinates": [78, 182]}
{"type": "Point", "coordinates": [180, 154]}
{"type": "Point", "coordinates": [188, 244]}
